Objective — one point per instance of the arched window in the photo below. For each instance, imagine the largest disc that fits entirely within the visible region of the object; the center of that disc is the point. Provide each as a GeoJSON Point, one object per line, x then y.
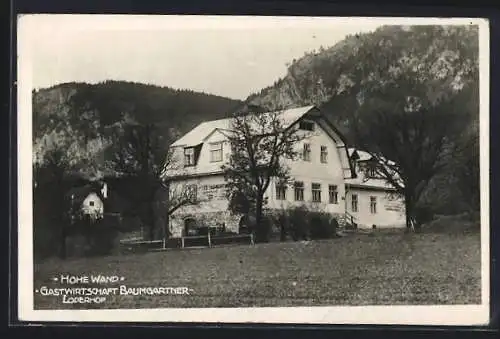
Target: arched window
{"type": "Point", "coordinates": [190, 227]}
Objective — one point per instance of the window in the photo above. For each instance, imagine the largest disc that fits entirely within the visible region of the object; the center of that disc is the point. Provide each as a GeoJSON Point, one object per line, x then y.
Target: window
{"type": "Point", "coordinates": [372, 171]}
{"type": "Point", "coordinates": [306, 154]}
{"type": "Point", "coordinates": [316, 192]}
{"type": "Point", "coordinates": [91, 203]}
{"type": "Point", "coordinates": [306, 125]}
{"type": "Point", "coordinates": [280, 191]}
{"type": "Point", "coordinates": [333, 194]}
{"type": "Point", "coordinates": [216, 152]}
{"type": "Point", "coordinates": [373, 205]}
{"type": "Point", "coordinates": [324, 154]}
{"type": "Point", "coordinates": [354, 202]}
{"type": "Point", "coordinates": [299, 191]}
{"type": "Point", "coordinates": [189, 156]}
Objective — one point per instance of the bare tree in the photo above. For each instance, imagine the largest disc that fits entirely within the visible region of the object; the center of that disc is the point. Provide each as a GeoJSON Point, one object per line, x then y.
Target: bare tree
{"type": "Point", "coordinates": [144, 155]}
{"type": "Point", "coordinates": [138, 157]}
{"type": "Point", "coordinates": [410, 140]}
{"type": "Point", "coordinates": [260, 145]}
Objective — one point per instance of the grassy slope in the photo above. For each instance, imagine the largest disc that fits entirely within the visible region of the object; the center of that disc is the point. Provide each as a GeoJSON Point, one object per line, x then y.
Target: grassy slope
{"type": "Point", "coordinates": [356, 270]}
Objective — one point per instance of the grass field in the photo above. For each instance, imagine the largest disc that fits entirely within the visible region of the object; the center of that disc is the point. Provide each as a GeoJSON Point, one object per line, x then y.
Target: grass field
{"type": "Point", "coordinates": [384, 268]}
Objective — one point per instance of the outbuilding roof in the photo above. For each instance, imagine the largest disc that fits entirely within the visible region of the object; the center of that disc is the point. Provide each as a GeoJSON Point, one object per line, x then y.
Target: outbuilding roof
{"type": "Point", "coordinates": [361, 155]}
{"type": "Point", "coordinates": [361, 179]}
{"type": "Point", "coordinates": [78, 194]}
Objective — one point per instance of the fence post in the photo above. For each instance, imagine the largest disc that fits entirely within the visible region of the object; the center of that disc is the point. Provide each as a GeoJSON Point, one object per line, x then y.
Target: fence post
{"type": "Point", "coordinates": [209, 240]}
{"type": "Point", "coordinates": [251, 239]}
{"type": "Point", "coordinates": [182, 241]}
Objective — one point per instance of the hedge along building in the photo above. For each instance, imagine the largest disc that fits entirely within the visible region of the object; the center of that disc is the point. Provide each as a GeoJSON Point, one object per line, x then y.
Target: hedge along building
{"type": "Point", "coordinates": [321, 174]}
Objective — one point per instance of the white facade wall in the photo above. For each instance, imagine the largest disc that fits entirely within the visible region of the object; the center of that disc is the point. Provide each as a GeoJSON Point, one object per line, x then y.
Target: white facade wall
{"type": "Point", "coordinates": [389, 209]}
{"type": "Point", "coordinates": [211, 208]}
{"type": "Point", "coordinates": [207, 176]}
{"type": "Point", "coordinates": [314, 171]}
{"type": "Point", "coordinates": [211, 197]}
{"type": "Point", "coordinates": [326, 173]}
{"type": "Point", "coordinates": [93, 206]}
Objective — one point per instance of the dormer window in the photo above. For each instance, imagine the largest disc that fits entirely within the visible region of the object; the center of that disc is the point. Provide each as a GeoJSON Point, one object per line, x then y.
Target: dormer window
{"type": "Point", "coordinates": [216, 152]}
{"type": "Point", "coordinates": [189, 156]}
{"type": "Point", "coordinates": [306, 125]}
{"type": "Point", "coordinates": [372, 172]}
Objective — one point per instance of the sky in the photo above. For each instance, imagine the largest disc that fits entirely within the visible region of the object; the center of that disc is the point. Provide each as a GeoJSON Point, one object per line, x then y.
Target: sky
{"type": "Point", "coordinates": [227, 56]}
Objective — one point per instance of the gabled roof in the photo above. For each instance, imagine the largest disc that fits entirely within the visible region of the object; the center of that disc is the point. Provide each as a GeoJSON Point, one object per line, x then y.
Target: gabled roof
{"type": "Point", "coordinates": [78, 194]}
{"type": "Point", "coordinates": [362, 180]}
{"type": "Point", "coordinates": [113, 203]}
{"type": "Point", "coordinates": [199, 135]}
{"type": "Point", "coordinates": [200, 132]}
{"type": "Point", "coordinates": [359, 155]}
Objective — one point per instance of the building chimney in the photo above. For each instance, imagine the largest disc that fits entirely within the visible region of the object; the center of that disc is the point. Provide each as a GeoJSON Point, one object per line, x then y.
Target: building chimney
{"type": "Point", "coordinates": [104, 191]}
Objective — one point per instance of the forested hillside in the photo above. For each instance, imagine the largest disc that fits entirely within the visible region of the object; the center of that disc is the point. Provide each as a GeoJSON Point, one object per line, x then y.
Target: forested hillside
{"type": "Point", "coordinates": [116, 131]}
{"type": "Point", "coordinates": [409, 92]}
{"type": "Point", "coordinates": [82, 119]}
{"type": "Point", "coordinates": [390, 72]}
{"type": "Point", "coordinates": [338, 78]}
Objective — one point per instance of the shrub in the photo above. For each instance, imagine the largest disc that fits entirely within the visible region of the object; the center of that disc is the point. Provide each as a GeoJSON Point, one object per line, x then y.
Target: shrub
{"type": "Point", "coordinates": [282, 222]}
{"type": "Point", "coordinates": [102, 239]}
{"type": "Point", "coordinates": [323, 226]}
{"type": "Point", "coordinates": [46, 240]}
{"type": "Point", "coordinates": [263, 229]}
{"type": "Point", "coordinates": [453, 224]}
{"type": "Point", "coordinates": [101, 236]}
{"type": "Point", "coordinates": [299, 223]}
{"type": "Point", "coordinates": [424, 214]}
{"type": "Point", "coordinates": [302, 223]}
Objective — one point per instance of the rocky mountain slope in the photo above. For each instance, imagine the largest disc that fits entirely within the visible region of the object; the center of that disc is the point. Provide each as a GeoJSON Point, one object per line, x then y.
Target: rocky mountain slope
{"type": "Point", "coordinates": [81, 119]}
{"type": "Point", "coordinates": [337, 78]}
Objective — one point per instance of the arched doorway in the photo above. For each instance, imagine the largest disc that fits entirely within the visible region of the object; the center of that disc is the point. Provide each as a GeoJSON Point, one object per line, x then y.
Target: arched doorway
{"type": "Point", "coordinates": [190, 227]}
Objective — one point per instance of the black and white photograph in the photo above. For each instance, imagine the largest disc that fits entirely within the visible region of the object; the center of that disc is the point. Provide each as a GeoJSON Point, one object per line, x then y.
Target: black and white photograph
{"type": "Point", "coordinates": [230, 169]}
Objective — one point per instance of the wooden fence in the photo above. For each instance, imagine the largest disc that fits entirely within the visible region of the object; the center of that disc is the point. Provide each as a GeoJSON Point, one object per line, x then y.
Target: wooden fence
{"type": "Point", "coordinates": [208, 240]}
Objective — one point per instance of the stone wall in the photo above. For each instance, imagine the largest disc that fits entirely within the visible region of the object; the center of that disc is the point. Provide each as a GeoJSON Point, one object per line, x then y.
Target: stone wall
{"type": "Point", "coordinates": [222, 218]}
{"type": "Point", "coordinates": [229, 220]}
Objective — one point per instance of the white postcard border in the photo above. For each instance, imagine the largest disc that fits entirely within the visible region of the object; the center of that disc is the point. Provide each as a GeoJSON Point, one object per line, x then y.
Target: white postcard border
{"type": "Point", "coordinates": [409, 315]}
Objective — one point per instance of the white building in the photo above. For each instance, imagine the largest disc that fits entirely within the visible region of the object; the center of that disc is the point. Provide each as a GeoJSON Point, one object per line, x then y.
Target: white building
{"type": "Point", "coordinates": [370, 200]}
{"type": "Point", "coordinates": [89, 200]}
{"type": "Point", "coordinates": [325, 177]}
